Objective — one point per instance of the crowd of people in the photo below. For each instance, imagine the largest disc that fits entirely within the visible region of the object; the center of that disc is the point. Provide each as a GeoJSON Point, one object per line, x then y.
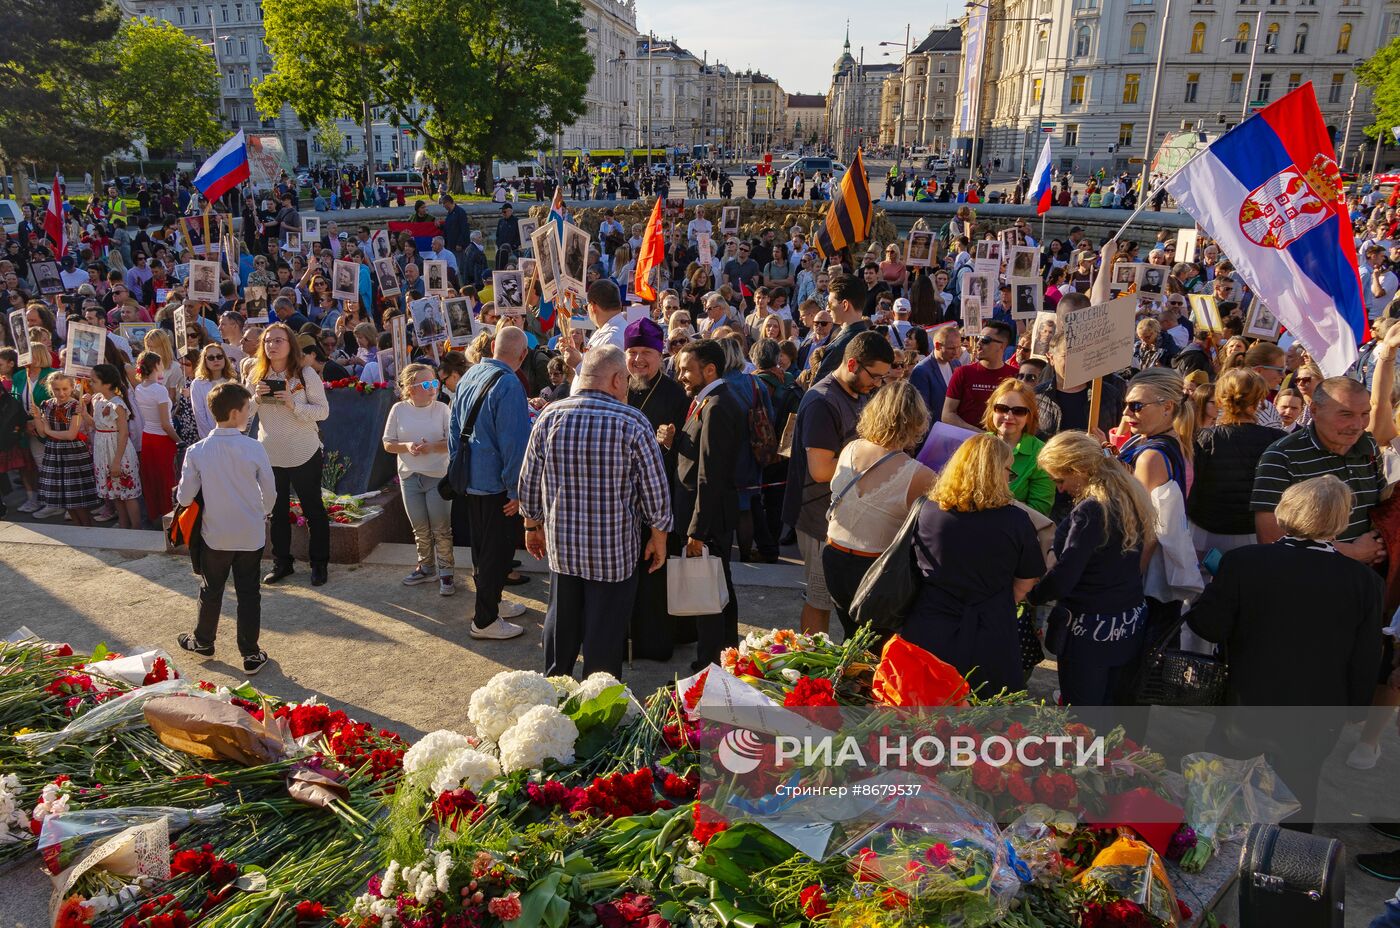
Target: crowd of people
{"type": "Point", "coordinates": [768, 399]}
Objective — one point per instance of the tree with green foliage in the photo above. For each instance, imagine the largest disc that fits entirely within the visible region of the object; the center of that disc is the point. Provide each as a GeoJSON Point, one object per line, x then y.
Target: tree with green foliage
{"type": "Point", "coordinates": [163, 86]}
{"type": "Point", "coordinates": [1381, 73]}
{"type": "Point", "coordinates": [46, 50]}
{"type": "Point", "coordinates": [332, 138]}
{"type": "Point", "coordinates": [479, 79]}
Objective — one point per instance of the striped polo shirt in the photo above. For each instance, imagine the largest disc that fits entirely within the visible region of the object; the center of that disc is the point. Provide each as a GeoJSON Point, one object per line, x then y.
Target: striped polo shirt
{"type": "Point", "coordinates": [1300, 456]}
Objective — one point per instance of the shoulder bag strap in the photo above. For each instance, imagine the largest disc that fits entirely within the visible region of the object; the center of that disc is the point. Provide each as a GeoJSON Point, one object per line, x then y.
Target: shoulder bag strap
{"type": "Point", "coordinates": [847, 488]}
{"type": "Point", "coordinates": [470, 424]}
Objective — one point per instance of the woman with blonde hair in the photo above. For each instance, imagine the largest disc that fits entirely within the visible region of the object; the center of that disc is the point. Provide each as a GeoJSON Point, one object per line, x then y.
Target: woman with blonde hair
{"type": "Point", "coordinates": [875, 483]}
{"type": "Point", "coordinates": [213, 369]}
{"type": "Point", "coordinates": [1232, 354]}
{"type": "Point", "coordinates": [416, 431]}
{"type": "Point", "coordinates": [976, 556]}
{"type": "Point", "coordinates": [1012, 415]}
{"type": "Point", "coordinates": [1162, 424]}
{"type": "Point", "coordinates": [159, 341]}
{"type": "Point", "coordinates": [1100, 551]}
{"type": "Point", "coordinates": [291, 400]}
{"type": "Point", "coordinates": [1225, 457]}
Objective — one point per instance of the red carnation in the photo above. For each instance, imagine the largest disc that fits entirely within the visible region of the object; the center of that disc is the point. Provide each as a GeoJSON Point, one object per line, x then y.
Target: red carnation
{"type": "Point", "coordinates": [1124, 913]}
{"type": "Point", "coordinates": [811, 691]}
{"type": "Point", "coordinates": [308, 911]}
{"type": "Point", "coordinates": [708, 823]}
{"type": "Point", "coordinates": [987, 778]}
{"type": "Point", "coordinates": [813, 901]}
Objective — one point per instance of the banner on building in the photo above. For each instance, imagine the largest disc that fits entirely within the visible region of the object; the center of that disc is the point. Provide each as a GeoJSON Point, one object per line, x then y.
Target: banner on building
{"type": "Point", "coordinates": [267, 159]}
{"type": "Point", "coordinates": [974, 47]}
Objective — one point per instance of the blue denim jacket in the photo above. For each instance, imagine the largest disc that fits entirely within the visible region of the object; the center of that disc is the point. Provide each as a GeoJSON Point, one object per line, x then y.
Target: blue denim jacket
{"type": "Point", "coordinates": [501, 431]}
{"type": "Point", "coordinates": [1390, 918]}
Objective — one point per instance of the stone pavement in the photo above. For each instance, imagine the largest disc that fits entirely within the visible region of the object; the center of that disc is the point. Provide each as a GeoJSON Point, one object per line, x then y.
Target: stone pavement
{"type": "Point", "coordinates": [393, 655]}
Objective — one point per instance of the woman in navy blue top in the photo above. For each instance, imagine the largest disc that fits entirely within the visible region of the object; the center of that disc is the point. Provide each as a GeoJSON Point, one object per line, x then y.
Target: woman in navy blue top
{"type": "Point", "coordinates": [976, 556]}
{"type": "Point", "coordinates": [1100, 550]}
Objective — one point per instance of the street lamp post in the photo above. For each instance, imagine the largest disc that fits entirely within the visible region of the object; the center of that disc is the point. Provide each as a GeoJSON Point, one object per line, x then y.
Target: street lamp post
{"type": "Point", "coordinates": [1156, 95]}
{"type": "Point", "coordinates": [651, 40]}
{"type": "Point", "coordinates": [903, 86]}
{"type": "Point", "coordinates": [1346, 135]}
{"type": "Point", "coordinates": [1044, 86]}
{"type": "Point", "coordinates": [982, 78]}
{"type": "Point", "coordinates": [1253, 56]}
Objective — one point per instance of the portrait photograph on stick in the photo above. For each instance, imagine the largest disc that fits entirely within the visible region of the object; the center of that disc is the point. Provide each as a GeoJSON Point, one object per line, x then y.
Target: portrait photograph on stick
{"type": "Point", "coordinates": [19, 336]}
{"type": "Point", "coordinates": [345, 280]}
{"type": "Point", "coordinates": [388, 273]}
{"type": "Point", "coordinates": [86, 344]}
{"type": "Point", "coordinates": [435, 277]}
{"type": "Point", "coordinates": [460, 325]}
{"type": "Point", "coordinates": [204, 281]}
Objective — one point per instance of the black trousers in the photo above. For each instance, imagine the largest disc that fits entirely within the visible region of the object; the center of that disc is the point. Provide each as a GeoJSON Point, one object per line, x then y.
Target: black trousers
{"type": "Point", "coordinates": [716, 632]}
{"type": "Point", "coordinates": [493, 548]}
{"type": "Point", "coordinates": [589, 616]}
{"type": "Point", "coordinates": [305, 479]}
{"type": "Point", "coordinates": [844, 572]}
{"type": "Point", "coordinates": [216, 566]}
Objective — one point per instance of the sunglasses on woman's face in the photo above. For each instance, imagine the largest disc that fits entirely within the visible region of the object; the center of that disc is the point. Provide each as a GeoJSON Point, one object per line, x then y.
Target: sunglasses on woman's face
{"type": "Point", "coordinates": [1137, 406]}
{"type": "Point", "coordinates": [1002, 409]}
{"type": "Point", "coordinates": [428, 384]}
{"type": "Point", "coordinates": [213, 357]}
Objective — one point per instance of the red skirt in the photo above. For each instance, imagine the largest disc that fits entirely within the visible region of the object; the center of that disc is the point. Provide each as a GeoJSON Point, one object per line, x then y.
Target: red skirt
{"type": "Point", "coordinates": [16, 458]}
{"type": "Point", "coordinates": [158, 474]}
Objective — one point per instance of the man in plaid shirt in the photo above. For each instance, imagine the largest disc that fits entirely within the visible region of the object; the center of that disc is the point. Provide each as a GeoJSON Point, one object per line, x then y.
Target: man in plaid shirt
{"type": "Point", "coordinates": [592, 476]}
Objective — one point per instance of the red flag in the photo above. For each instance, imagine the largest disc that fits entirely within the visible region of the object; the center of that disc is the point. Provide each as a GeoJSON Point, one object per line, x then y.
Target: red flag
{"type": "Point", "coordinates": [652, 251]}
{"type": "Point", "coordinates": [53, 222]}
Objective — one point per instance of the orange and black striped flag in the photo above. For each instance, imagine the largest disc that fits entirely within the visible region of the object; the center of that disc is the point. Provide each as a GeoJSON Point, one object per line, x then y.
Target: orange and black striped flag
{"type": "Point", "coordinates": [848, 218]}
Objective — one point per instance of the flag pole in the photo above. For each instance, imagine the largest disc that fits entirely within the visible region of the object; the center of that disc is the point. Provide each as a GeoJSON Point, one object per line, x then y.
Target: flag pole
{"type": "Point", "coordinates": [207, 207]}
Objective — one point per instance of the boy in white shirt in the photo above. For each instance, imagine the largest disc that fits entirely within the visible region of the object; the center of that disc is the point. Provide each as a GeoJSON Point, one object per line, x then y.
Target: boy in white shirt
{"type": "Point", "coordinates": [234, 476]}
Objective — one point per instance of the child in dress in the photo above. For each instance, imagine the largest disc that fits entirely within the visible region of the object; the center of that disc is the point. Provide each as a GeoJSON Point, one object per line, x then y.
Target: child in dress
{"type": "Point", "coordinates": [14, 437]}
{"type": "Point", "coordinates": [115, 465]}
{"type": "Point", "coordinates": [158, 439]}
{"type": "Point", "coordinates": [66, 480]}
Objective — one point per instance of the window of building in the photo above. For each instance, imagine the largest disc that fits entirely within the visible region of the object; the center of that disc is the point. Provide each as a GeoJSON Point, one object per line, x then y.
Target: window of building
{"type": "Point", "coordinates": [1035, 90]}
{"type": "Point", "coordinates": [1344, 39]}
{"type": "Point", "coordinates": [1236, 87]}
{"type": "Point", "coordinates": [942, 87]}
{"type": "Point", "coordinates": [238, 12]}
{"type": "Point", "coordinates": [180, 12]}
{"type": "Point", "coordinates": [938, 108]}
{"type": "Point", "coordinates": [1242, 39]}
{"type": "Point", "coordinates": [228, 46]}
{"type": "Point", "coordinates": [1193, 84]}
{"type": "Point", "coordinates": [1198, 38]}
{"type": "Point", "coordinates": [1076, 89]}
{"type": "Point", "coordinates": [229, 80]}
{"type": "Point", "coordinates": [1137, 38]}
{"type": "Point", "coordinates": [1266, 85]}
{"type": "Point", "coordinates": [1071, 134]}
{"type": "Point", "coordinates": [223, 13]}
{"type": "Point", "coordinates": [1294, 81]}
{"type": "Point", "coordinates": [1334, 91]}
{"type": "Point", "coordinates": [942, 66]}
{"type": "Point", "coordinates": [1131, 86]}
{"type": "Point", "coordinates": [1271, 39]}
{"type": "Point", "coordinates": [378, 144]}
{"type": "Point", "coordinates": [194, 14]}
{"type": "Point", "coordinates": [243, 45]}
{"type": "Point", "coordinates": [1081, 42]}
{"type": "Point", "coordinates": [1300, 39]}
{"type": "Point", "coordinates": [1042, 44]}
{"type": "Point", "coordinates": [1125, 134]}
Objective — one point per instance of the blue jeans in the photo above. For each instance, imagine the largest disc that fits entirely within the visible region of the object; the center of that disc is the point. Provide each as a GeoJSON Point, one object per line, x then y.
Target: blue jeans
{"type": "Point", "coordinates": [431, 518]}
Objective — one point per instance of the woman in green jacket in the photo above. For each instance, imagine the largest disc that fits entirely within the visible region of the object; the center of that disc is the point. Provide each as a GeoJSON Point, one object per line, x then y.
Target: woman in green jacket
{"type": "Point", "coordinates": [1011, 415]}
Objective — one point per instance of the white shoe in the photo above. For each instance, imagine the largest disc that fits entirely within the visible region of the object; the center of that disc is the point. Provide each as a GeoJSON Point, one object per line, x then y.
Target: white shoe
{"type": "Point", "coordinates": [499, 630]}
{"type": "Point", "coordinates": [1363, 756]}
{"type": "Point", "coordinates": [29, 505]}
{"type": "Point", "coordinates": [511, 610]}
{"type": "Point", "coordinates": [48, 512]}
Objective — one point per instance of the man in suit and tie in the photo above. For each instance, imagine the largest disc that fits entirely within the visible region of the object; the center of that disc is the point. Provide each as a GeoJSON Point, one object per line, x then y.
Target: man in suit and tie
{"type": "Point", "coordinates": [931, 375]}
{"type": "Point", "coordinates": [707, 500]}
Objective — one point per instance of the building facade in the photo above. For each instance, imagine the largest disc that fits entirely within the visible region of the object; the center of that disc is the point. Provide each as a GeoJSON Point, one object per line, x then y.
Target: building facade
{"type": "Point", "coordinates": [917, 101]}
{"type": "Point", "coordinates": [805, 120]}
{"type": "Point", "coordinates": [684, 96]}
{"type": "Point", "coordinates": [853, 102]}
{"type": "Point", "coordinates": [1095, 62]}
{"type": "Point", "coordinates": [611, 117]}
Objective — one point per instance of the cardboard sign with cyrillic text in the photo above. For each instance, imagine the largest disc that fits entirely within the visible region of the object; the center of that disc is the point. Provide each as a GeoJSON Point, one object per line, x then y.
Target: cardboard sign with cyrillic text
{"type": "Point", "coordinates": [1098, 340]}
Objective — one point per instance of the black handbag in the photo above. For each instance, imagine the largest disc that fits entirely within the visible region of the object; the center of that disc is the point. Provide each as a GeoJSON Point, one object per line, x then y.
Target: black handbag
{"type": "Point", "coordinates": [1173, 677]}
{"type": "Point", "coordinates": [888, 589]}
{"type": "Point", "coordinates": [459, 468]}
{"type": "Point", "coordinates": [1291, 878]}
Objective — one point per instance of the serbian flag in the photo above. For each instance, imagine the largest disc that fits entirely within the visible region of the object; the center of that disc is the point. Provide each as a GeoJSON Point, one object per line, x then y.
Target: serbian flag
{"type": "Point", "coordinates": [224, 170]}
{"type": "Point", "coordinates": [650, 255]}
{"type": "Point", "coordinates": [54, 227]}
{"type": "Point", "coordinates": [1042, 193]}
{"type": "Point", "coordinates": [422, 232]}
{"type": "Point", "coordinates": [1270, 193]}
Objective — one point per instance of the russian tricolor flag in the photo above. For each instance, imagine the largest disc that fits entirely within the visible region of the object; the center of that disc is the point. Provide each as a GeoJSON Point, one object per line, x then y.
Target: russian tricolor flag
{"type": "Point", "coordinates": [1041, 192]}
{"type": "Point", "coordinates": [1270, 193]}
{"type": "Point", "coordinates": [224, 170]}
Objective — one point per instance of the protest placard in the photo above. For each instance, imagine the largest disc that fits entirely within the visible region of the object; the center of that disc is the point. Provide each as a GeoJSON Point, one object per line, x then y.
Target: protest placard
{"type": "Point", "coordinates": [1098, 340]}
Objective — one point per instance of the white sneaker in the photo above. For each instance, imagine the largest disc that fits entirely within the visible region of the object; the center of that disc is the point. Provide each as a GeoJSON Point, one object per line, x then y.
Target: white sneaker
{"type": "Point", "coordinates": [511, 610]}
{"type": "Point", "coordinates": [29, 505]}
{"type": "Point", "coordinates": [499, 629]}
{"type": "Point", "coordinates": [48, 512]}
{"type": "Point", "coordinates": [1363, 756]}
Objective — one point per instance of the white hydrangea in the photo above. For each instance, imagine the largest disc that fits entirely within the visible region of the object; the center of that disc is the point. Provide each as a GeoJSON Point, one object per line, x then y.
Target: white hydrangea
{"type": "Point", "coordinates": [541, 733]}
{"type": "Point", "coordinates": [565, 686]}
{"type": "Point", "coordinates": [443, 871]}
{"type": "Point", "coordinates": [465, 767]}
{"type": "Point", "coordinates": [507, 697]}
{"type": "Point", "coordinates": [432, 749]}
{"type": "Point", "coordinates": [596, 683]}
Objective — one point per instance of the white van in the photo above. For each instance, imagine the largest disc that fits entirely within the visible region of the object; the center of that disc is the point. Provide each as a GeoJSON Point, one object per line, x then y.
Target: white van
{"type": "Point", "coordinates": [517, 170]}
{"type": "Point", "coordinates": [10, 216]}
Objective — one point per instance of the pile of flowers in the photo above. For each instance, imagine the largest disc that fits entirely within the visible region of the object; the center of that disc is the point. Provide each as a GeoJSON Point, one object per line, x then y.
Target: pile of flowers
{"type": "Point", "coordinates": [353, 383]}
{"type": "Point", "coordinates": [342, 509]}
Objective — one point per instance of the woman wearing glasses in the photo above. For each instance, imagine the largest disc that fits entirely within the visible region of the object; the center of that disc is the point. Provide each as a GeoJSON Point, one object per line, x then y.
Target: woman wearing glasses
{"type": "Point", "coordinates": [416, 431]}
{"type": "Point", "coordinates": [212, 370]}
{"type": "Point", "coordinates": [1012, 416]}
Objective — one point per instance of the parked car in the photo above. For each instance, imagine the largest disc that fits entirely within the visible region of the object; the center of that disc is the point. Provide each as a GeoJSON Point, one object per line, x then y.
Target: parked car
{"type": "Point", "coordinates": [410, 182]}
{"type": "Point", "coordinates": [813, 164]}
{"type": "Point", "coordinates": [10, 216]}
{"type": "Point", "coordinates": [938, 164]}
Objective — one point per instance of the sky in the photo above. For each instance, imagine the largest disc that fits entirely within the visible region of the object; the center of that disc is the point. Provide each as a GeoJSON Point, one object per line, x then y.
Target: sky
{"type": "Point", "coordinates": [795, 41]}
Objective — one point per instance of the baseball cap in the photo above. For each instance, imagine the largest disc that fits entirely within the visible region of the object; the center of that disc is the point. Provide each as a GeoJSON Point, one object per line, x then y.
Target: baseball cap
{"type": "Point", "coordinates": [901, 305]}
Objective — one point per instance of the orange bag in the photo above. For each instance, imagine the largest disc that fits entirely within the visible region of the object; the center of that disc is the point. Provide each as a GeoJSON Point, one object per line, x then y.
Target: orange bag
{"type": "Point", "coordinates": [910, 676]}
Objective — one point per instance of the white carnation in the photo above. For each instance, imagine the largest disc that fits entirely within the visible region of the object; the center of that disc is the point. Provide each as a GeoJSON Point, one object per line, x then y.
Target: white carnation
{"type": "Point", "coordinates": [507, 697]}
{"type": "Point", "coordinates": [541, 734]}
{"type": "Point", "coordinates": [465, 767]}
{"type": "Point", "coordinates": [596, 683]}
{"type": "Point", "coordinates": [432, 749]}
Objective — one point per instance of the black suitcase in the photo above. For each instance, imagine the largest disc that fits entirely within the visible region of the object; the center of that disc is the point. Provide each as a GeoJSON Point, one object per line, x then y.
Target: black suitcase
{"type": "Point", "coordinates": [1293, 879]}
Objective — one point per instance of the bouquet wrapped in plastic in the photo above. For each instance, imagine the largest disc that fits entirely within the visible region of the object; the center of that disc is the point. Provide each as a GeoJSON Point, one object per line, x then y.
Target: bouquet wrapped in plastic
{"type": "Point", "coordinates": [1129, 870]}
{"type": "Point", "coordinates": [1224, 796]}
{"type": "Point", "coordinates": [67, 837]}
